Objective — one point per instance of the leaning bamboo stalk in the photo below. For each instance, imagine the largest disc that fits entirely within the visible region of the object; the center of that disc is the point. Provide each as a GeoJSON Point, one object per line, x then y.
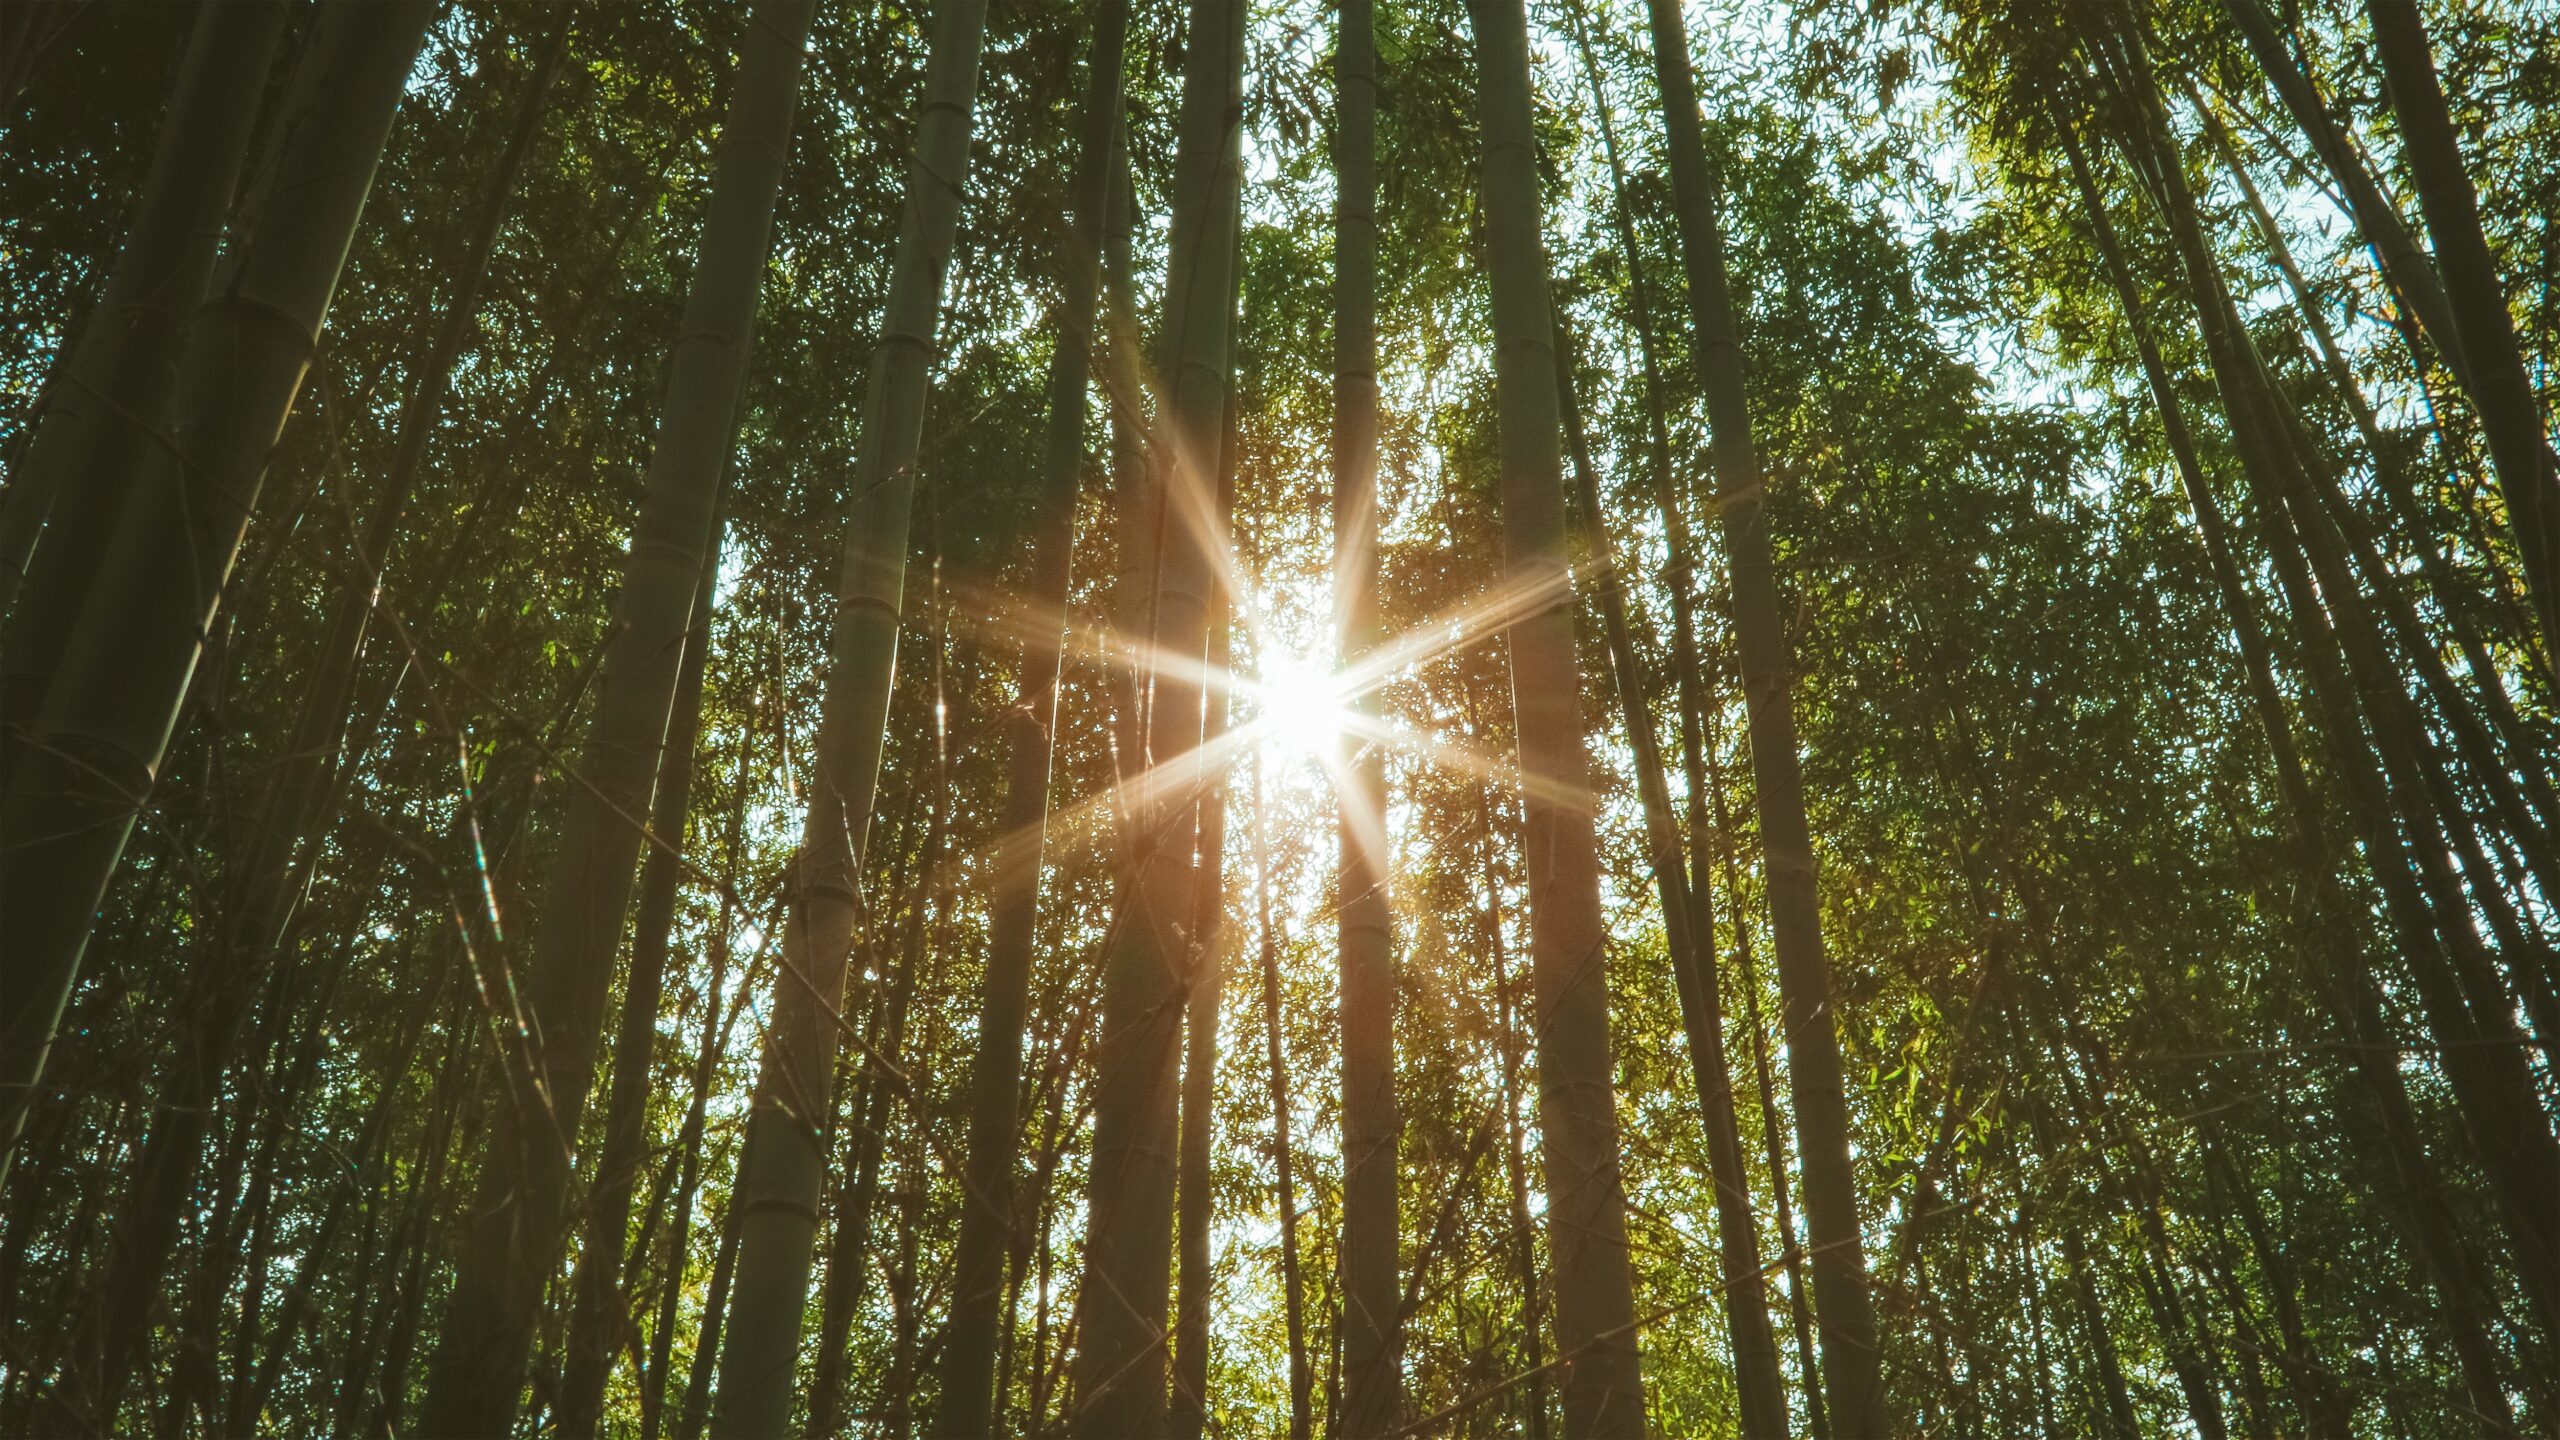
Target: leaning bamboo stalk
{"type": "Point", "coordinates": [716, 1022]}
{"type": "Point", "coordinates": [69, 485]}
{"type": "Point", "coordinates": [2511, 414]}
{"type": "Point", "coordinates": [261, 898]}
{"type": "Point", "coordinates": [91, 755]}
{"type": "Point", "coordinates": [1522, 1249]}
{"type": "Point", "coordinates": [1688, 925]}
{"type": "Point", "coordinates": [1284, 1163]}
{"type": "Point", "coordinates": [778, 1203]}
{"type": "Point", "coordinates": [1844, 1311]}
{"type": "Point", "coordinates": [2400, 488]}
{"type": "Point", "coordinates": [1195, 1293]}
{"type": "Point", "coordinates": [880, 1082]}
{"type": "Point", "coordinates": [968, 1406]}
{"type": "Point", "coordinates": [519, 1221]}
{"type": "Point", "coordinates": [598, 1309]}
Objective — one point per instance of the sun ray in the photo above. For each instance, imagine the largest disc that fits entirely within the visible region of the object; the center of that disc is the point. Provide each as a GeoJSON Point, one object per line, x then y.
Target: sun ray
{"type": "Point", "coordinates": [1294, 702]}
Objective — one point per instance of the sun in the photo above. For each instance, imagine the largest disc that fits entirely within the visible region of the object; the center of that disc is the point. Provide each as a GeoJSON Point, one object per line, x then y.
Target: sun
{"type": "Point", "coordinates": [1299, 706]}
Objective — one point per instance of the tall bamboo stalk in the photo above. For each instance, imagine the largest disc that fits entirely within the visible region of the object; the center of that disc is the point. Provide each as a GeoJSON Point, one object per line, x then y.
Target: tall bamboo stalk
{"type": "Point", "coordinates": [1523, 1249]}
{"type": "Point", "coordinates": [1372, 1343]}
{"type": "Point", "coordinates": [261, 897]}
{"type": "Point", "coordinates": [2519, 797]}
{"type": "Point", "coordinates": [1688, 924]}
{"type": "Point", "coordinates": [1195, 1293]}
{"type": "Point", "coordinates": [1773, 1135]}
{"type": "Point", "coordinates": [987, 1220]}
{"type": "Point", "coordinates": [693, 1415]}
{"type": "Point", "coordinates": [519, 1219]}
{"type": "Point", "coordinates": [717, 1019]}
{"type": "Point", "coordinates": [778, 1209]}
{"type": "Point", "coordinates": [599, 1316]}
{"type": "Point", "coordinates": [321, 1252]}
{"type": "Point", "coordinates": [1293, 1295]}
{"type": "Point", "coordinates": [94, 749]}
{"type": "Point", "coordinates": [1602, 1376]}
{"type": "Point", "coordinates": [70, 482]}
{"type": "Point", "coordinates": [452, 1132]}
{"type": "Point", "coordinates": [1708, 821]}
{"type": "Point", "coordinates": [1120, 1352]}
{"type": "Point", "coordinates": [877, 1066]}
{"type": "Point", "coordinates": [2136, 1187]}
{"type": "Point", "coordinates": [2511, 414]}
{"type": "Point", "coordinates": [1843, 1310]}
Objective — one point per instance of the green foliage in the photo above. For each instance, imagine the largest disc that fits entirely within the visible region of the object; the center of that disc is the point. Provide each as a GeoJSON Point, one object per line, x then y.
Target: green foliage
{"type": "Point", "coordinates": [2095, 1056]}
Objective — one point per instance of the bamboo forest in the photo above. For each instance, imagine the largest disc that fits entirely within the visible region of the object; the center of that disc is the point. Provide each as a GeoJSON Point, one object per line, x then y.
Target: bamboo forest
{"type": "Point", "coordinates": [1332, 719]}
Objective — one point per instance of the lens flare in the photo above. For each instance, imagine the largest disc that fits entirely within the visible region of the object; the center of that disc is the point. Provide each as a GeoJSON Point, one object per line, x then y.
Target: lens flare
{"type": "Point", "coordinates": [1301, 705]}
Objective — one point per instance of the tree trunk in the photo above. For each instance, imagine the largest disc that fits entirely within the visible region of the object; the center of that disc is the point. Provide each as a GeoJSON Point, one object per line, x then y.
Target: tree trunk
{"type": "Point", "coordinates": [1688, 923]}
{"type": "Point", "coordinates": [89, 758]}
{"type": "Point", "coordinates": [1373, 1344]}
{"type": "Point", "coordinates": [2464, 1001]}
{"type": "Point", "coordinates": [778, 1216]}
{"type": "Point", "coordinates": [1195, 1290]}
{"type": "Point", "coordinates": [260, 898]}
{"type": "Point", "coordinates": [1524, 1244]}
{"type": "Point", "coordinates": [716, 1023]}
{"type": "Point", "coordinates": [2342, 528]}
{"type": "Point", "coordinates": [1772, 1128]}
{"type": "Point", "coordinates": [899, 1403]}
{"type": "Point", "coordinates": [696, 1410]}
{"type": "Point", "coordinates": [2513, 775]}
{"type": "Point", "coordinates": [968, 1407]}
{"type": "Point", "coordinates": [2511, 415]}
{"type": "Point", "coordinates": [2405, 267]}
{"type": "Point", "coordinates": [1602, 1379]}
{"type": "Point", "coordinates": [1126, 371]}
{"type": "Point", "coordinates": [2185, 1338]}
{"type": "Point", "coordinates": [2030, 1269]}
{"type": "Point", "coordinates": [1120, 1356]}
{"type": "Point", "coordinates": [1773, 1140]}
{"type": "Point", "coordinates": [1843, 1309]}
{"type": "Point", "coordinates": [1046, 1365]}
{"type": "Point", "coordinates": [2350, 987]}
{"type": "Point", "coordinates": [519, 1218]}
{"type": "Point", "coordinates": [1293, 1297]}
{"type": "Point", "coordinates": [70, 481]}
{"type": "Point", "coordinates": [877, 1086]}
{"type": "Point", "coordinates": [599, 1316]}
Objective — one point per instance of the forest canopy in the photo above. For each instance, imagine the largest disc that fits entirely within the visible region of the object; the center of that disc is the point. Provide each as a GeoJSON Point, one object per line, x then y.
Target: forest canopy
{"type": "Point", "coordinates": [1219, 718]}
